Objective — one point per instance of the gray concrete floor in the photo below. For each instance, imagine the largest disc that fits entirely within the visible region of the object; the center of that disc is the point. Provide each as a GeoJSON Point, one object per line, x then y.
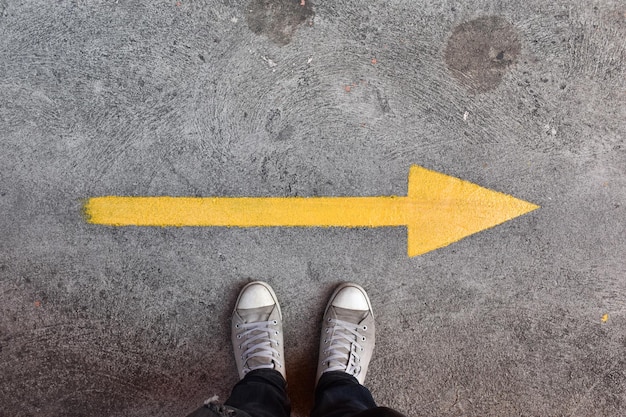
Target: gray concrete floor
{"type": "Point", "coordinates": [269, 98]}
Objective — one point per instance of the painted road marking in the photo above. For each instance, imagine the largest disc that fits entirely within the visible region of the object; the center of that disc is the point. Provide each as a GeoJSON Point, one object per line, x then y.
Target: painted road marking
{"type": "Point", "coordinates": [438, 210]}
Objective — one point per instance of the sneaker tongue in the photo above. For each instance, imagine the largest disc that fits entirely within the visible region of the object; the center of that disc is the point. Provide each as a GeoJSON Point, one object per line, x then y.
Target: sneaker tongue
{"type": "Point", "coordinates": [351, 316]}
{"type": "Point", "coordinates": [256, 314]}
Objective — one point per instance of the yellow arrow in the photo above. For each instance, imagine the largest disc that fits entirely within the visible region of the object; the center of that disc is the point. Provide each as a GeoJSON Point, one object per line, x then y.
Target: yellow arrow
{"type": "Point", "coordinates": [438, 210]}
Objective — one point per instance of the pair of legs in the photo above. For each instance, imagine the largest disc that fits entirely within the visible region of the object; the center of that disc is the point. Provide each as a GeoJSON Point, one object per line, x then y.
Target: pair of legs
{"type": "Point", "coordinates": [346, 347]}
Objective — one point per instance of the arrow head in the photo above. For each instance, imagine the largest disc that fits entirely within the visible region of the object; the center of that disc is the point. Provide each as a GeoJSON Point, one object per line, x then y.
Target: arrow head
{"type": "Point", "coordinates": [447, 209]}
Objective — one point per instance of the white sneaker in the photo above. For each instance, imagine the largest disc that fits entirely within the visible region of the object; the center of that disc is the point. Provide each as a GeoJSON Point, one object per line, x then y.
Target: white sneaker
{"type": "Point", "coordinates": [257, 330]}
{"type": "Point", "coordinates": [347, 340]}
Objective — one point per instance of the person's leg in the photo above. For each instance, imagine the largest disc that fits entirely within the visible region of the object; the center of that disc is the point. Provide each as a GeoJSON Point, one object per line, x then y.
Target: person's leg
{"type": "Point", "coordinates": [379, 412]}
{"type": "Point", "coordinates": [346, 347]}
{"type": "Point", "coordinates": [257, 337]}
{"type": "Point", "coordinates": [339, 394]}
{"type": "Point", "coordinates": [261, 393]}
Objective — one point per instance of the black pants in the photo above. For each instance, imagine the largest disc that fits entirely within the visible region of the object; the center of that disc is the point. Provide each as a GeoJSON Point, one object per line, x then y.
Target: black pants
{"type": "Point", "coordinates": [263, 393]}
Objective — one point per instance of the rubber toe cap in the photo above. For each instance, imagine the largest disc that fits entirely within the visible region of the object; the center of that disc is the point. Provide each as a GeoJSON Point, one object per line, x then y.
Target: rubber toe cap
{"type": "Point", "coordinates": [255, 296]}
{"type": "Point", "coordinates": [351, 298]}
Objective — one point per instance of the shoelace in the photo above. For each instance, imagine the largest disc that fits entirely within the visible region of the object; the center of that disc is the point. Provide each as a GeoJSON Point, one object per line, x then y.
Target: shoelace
{"type": "Point", "coordinates": [260, 332]}
{"type": "Point", "coordinates": [344, 344]}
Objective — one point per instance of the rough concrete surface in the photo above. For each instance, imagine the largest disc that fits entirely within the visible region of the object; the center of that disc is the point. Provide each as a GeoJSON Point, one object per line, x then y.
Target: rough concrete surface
{"type": "Point", "coordinates": [337, 98]}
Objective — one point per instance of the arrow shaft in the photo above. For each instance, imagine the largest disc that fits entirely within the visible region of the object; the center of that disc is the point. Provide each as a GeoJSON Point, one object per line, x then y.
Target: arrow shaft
{"type": "Point", "coordinates": [251, 211]}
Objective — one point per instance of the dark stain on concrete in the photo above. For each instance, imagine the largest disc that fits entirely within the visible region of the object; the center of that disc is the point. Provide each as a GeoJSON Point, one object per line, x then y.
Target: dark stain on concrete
{"type": "Point", "coordinates": [277, 19]}
{"type": "Point", "coordinates": [481, 51]}
{"type": "Point", "coordinates": [273, 122]}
